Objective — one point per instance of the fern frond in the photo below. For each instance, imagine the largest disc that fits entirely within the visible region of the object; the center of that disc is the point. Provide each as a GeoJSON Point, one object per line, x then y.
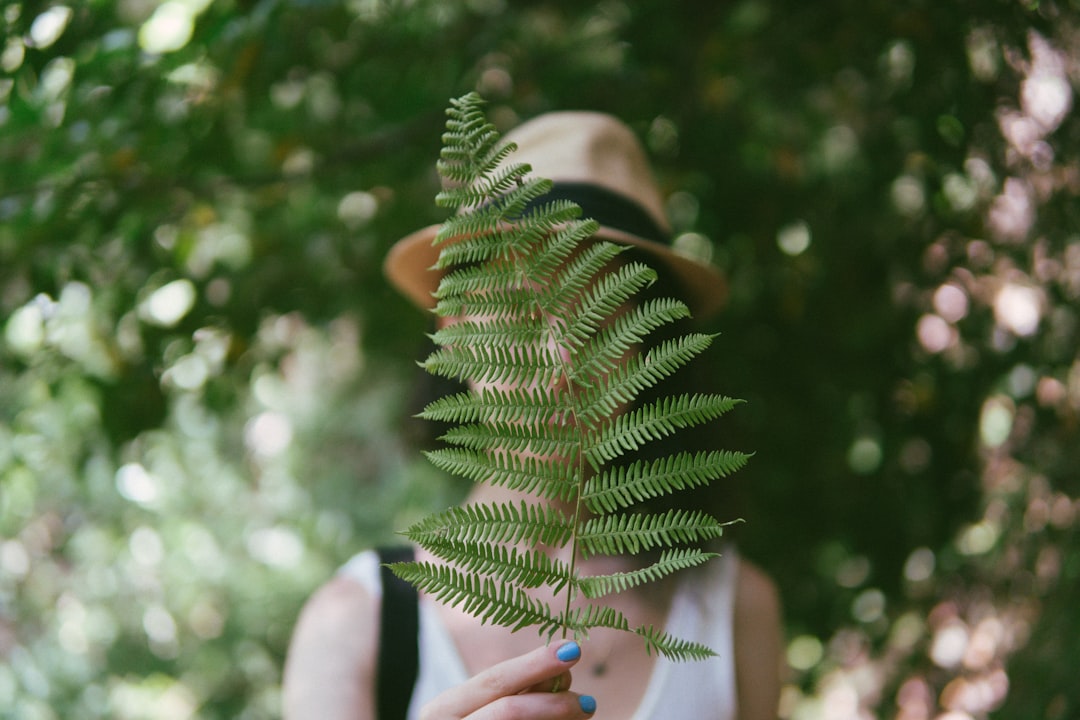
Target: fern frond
{"type": "Point", "coordinates": [673, 648]}
{"type": "Point", "coordinates": [507, 333]}
{"type": "Point", "coordinates": [610, 344]}
{"type": "Point", "coordinates": [580, 620]}
{"type": "Point", "coordinates": [563, 285]}
{"type": "Point", "coordinates": [671, 561]}
{"type": "Point", "coordinates": [631, 430]}
{"type": "Point", "coordinates": [461, 284]}
{"type": "Point", "coordinates": [546, 328]}
{"type": "Point", "coordinates": [522, 365]}
{"type": "Point", "coordinates": [550, 441]}
{"type": "Point", "coordinates": [478, 237]}
{"type": "Point", "coordinates": [505, 302]}
{"type": "Point", "coordinates": [622, 486]}
{"type": "Point", "coordinates": [505, 523]}
{"type": "Point", "coordinates": [526, 568]}
{"type": "Point", "coordinates": [548, 479]}
{"type": "Point", "coordinates": [638, 373]}
{"type": "Point", "coordinates": [642, 532]}
{"type": "Point", "coordinates": [492, 188]}
{"type": "Point", "coordinates": [480, 596]}
{"type": "Point", "coordinates": [526, 407]}
{"type": "Point", "coordinates": [494, 244]}
{"type": "Point", "coordinates": [470, 142]}
{"type": "Point", "coordinates": [490, 212]}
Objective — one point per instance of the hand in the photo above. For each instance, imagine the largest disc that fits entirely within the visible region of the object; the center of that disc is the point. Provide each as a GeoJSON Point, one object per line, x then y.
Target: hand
{"type": "Point", "coordinates": [533, 686]}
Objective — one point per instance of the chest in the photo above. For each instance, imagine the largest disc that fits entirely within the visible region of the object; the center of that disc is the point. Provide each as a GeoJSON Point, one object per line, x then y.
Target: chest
{"type": "Point", "coordinates": [614, 666]}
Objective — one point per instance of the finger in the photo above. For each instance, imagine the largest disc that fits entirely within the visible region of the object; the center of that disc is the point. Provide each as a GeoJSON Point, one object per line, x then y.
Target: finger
{"type": "Point", "coordinates": [559, 683]}
{"type": "Point", "coordinates": [538, 706]}
{"type": "Point", "coordinates": [506, 679]}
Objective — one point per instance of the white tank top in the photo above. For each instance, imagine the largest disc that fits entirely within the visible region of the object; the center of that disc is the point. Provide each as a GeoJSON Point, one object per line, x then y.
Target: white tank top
{"type": "Point", "coordinates": [701, 610]}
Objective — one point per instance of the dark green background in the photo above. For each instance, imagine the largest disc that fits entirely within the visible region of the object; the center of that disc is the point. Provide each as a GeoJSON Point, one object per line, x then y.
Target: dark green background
{"type": "Point", "coordinates": [172, 488]}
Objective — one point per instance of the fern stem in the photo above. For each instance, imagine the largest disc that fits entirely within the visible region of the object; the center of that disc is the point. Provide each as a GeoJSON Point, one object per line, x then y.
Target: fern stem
{"type": "Point", "coordinates": [564, 373]}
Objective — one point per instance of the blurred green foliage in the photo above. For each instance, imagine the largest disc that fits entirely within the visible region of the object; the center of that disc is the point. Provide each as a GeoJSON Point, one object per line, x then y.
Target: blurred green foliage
{"type": "Point", "coordinates": [203, 376]}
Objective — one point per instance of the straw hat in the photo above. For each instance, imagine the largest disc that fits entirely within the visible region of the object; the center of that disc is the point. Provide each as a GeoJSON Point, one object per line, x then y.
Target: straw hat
{"type": "Point", "coordinates": [596, 161]}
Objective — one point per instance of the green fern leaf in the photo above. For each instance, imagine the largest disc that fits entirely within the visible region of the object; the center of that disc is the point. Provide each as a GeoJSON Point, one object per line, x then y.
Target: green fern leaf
{"type": "Point", "coordinates": [638, 533]}
{"type": "Point", "coordinates": [499, 604]}
{"type": "Point", "coordinates": [524, 523]}
{"type": "Point", "coordinates": [547, 332]}
{"type": "Point", "coordinates": [540, 405]}
{"type": "Point", "coordinates": [525, 568]}
{"type": "Point", "coordinates": [673, 648]}
{"type": "Point", "coordinates": [552, 480]}
{"type": "Point", "coordinates": [640, 373]}
{"type": "Point", "coordinates": [580, 620]}
{"type": "Point", "coordinates": [631, 430]}
{"type": "Point", "coordinates": [623, 486]}
{"type": "Point", "coordinates": [670, 561]}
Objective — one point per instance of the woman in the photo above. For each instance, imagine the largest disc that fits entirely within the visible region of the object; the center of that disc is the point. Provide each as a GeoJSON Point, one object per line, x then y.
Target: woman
{"type": "Point", "coordinates": [482, 672]}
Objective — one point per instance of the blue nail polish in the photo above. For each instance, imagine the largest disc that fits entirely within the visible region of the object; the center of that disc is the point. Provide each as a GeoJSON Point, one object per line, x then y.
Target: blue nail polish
{"type": "Point", "coordinates": [569, 651]}
{"type": "Point", "coordinates": [588, 704]}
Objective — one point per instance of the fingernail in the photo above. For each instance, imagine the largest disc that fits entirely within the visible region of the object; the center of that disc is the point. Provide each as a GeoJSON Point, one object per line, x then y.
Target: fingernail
{"type": "Point", "coordinates": [569, 651]}
{"type": "Point", "coordinates": [588, 704]}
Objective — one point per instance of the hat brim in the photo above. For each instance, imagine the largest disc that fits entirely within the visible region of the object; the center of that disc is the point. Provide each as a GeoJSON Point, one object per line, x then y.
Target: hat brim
{"type": "Point", "coordinates": [410, 267]}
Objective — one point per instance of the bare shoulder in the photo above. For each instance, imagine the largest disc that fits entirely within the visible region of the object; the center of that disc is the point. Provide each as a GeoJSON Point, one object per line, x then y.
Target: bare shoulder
{"type": "Point", "coordinates": [329, 669]}
{"type": "Point", "coordinates": [340, 605]}
{"type": "Point", "coordinates": [756, 595]}
{"type": "Point", "coordinates": [758, 643]}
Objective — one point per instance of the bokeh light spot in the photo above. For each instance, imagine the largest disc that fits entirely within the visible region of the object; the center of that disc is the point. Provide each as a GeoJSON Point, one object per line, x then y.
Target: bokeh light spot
{"type": "Point", "coordinates": [949, 644]}
{"type": "Point", "coordinates": [908, 196]}
{"type": "Point", "coordinates": [1022, 380]}
{"type": "Point", "coordinates": [25, 330]}
{"type": "Point", "coordinates": [960, 191]}
{"type": "Point", "coordinates": [56, 78]}
{"type": "Point", "coordinates": [12, 56]}
{"type": "Point", "coordinates": [1045, 94]}
{"type": "Point", "coordinates": [137, 485]}
{"type": "Point", "coordinates": [804, 652]}
{"type": "Point", "coordinates": [190, 372]}
{"type": "Point", "coordinates": [934, 333]}
{"type": "Point", "coordinates": [920, 565]}
{"type": "Point", "coordinates": [49, 26]}
{"type": "Point", "coordinates": [268, 434]}
{"type": "Point", "coordinates": [951, 303]}
{"type": "Point", "coordinates": [14, 560]}
{"type": "Point", "coordinates": [167, 305]}
{"type": "Point", "coordinates": [869, 606]}
{"type": "Point", "coordinates": [839, 147]}
{"type": "Point", "coordinates": [865, 455]}
{"type": "Point", "coordinates": [277, 546]}
{"type": "Point", "coordinates": [146, 546]}
{"type": "Point", "coordinates": [695, 246]}
{"type": "Point", "coordinates": [1012, 212]}
{"type": "Point", "coordinates": [978, 538]}
{"type": "Point", "coordinates": [794, 239]}
{"type": "Point", "coordinates": [159, 625]}
{"type": "Point", "coordinates": [357, 208]}
{"type": "Point", "coordinates": [168, 29]}
{"type": "Point", "coordinates": [1017, 309]}
{"type": "Point", "coordinates": [996, 421]}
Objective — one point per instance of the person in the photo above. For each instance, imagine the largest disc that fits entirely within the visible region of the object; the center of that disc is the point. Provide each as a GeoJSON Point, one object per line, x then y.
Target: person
{"type": "Point", "coordinates": [472, 670]}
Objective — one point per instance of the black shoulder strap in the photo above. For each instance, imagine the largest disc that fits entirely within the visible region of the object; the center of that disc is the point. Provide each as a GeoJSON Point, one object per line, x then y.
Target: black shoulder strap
{"type": "Point", "coordinates": [399, 646]}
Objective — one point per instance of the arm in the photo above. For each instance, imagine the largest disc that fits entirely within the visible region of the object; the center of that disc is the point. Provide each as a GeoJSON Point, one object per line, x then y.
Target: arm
{"type": "Point", "coordinates": [330, 667]}
{"type": "Point", "coordinates": [758, 653]}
